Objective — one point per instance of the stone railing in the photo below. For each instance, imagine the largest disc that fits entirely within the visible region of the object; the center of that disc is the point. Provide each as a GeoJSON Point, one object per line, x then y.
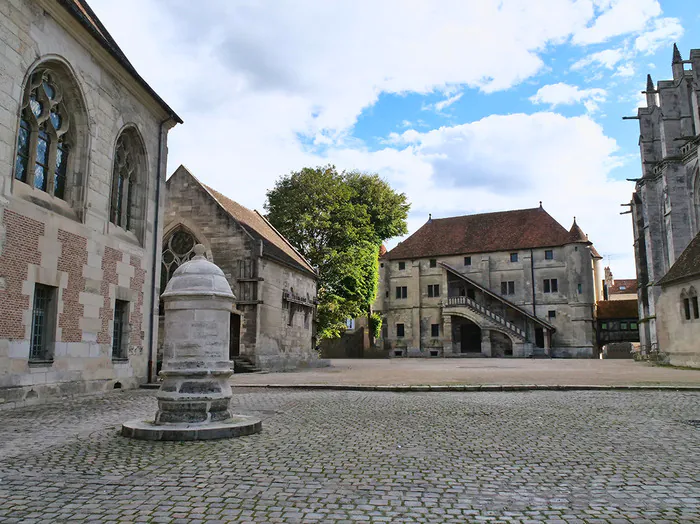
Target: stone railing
{"type": "Point", "coordinates": [484, 311]}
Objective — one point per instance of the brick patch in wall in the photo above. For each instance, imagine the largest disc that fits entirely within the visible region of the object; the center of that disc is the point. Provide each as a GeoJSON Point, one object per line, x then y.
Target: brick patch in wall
{"type": "Point", "coordinates": [136, 284]}
{"type": "Point", "coordinates": [73, 258]}
{"type": "Point", "coordinates": [21, 249]}
{"type": "Point", "coordinates": [109, 276]}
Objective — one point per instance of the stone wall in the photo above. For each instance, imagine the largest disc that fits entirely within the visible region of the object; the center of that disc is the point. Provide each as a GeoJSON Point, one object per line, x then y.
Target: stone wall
{"type": "Point", "coordinates": [70, 244]}
{"type": "Point", "coordinates": [678, 337]}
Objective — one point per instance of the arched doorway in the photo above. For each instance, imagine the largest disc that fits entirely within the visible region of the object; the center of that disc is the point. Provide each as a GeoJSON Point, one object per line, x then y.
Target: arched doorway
{"type": "Point", "coordinates": [501, 344]}
{"type": "Point", "coordinates": [467, 334]}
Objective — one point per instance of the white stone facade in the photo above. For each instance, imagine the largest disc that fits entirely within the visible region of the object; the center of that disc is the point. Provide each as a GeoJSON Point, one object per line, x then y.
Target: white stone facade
{"type": "Point", "coordinates": [68, 243]}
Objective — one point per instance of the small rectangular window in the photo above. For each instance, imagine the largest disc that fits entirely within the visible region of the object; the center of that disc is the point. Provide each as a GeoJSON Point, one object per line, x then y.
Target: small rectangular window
{"type": "Point", "coordinates": [399, 330]}
{"type": "Point", "coordinates": [513, 257]}
{"type": "Point", "coordinates": [604, 326]}
{"type": "Point", "coordinates": [555, 285]}
{"type": "Point", "coordinates": [401, 291]}
{"type": "Point", "coordinates": [633, 326]}
{"type": "Point", "coordinates": [504, 288]}
{"type": "Point", "coordinates": [402, 266]}
{"type": "Point", "coordinates": [551, 285]}
{"type": "Point", "coordinates": [434, 330]}
{"type": "Point", "coordinates": [686, 308]}
{"type": "Point", "coordinates": [547, 288]}
{"type": "Point", "coordinates": [580, 289]}
{"type": "Point", "coordinates": [467, 261]}
{"type": "Point", "coordinates": [548, 254]}
{"type": "Point", "coordinates": [121, 321]}
{"type": "Point", "coordinates": [552, 313]}
{"type": "Point", "coordinates": [696, 312]}
{"type": "Point", "coordinates": [433, 290]}
{"type": "Point", "coordinates": [511, 287]}
{"type": "Point", "coordinates": [42, 323]}
{"type": "Point", "coordinates": [433, 262]}
{"type": "Point", "coordinates": [623, 326]}
{"type": "Point", "coordinates": [381, 265]}
{"type": "Point", "coordinates": [386, 294]}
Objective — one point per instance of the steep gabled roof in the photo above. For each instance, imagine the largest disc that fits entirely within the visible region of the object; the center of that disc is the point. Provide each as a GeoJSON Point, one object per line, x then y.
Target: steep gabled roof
{"type": "Point", "coordinates": [576, 234]}
{"type": "Point", "coordinates": [686, 266]}
{"type": "Point", "coordinates": [484, 233]}
{"type": "Point", "coordinates": [275, 246]}
{"type": "Point", "coordinates": [623, 286]}
{"type": "Point", "coordinates": [81, 11]}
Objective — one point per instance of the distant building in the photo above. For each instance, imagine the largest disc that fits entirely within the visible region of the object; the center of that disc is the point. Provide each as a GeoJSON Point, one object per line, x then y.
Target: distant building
{"type": "Point", "coordinates": [273, 326]}
{"type": "Point", "coordinates": [619, 289]}
{"type": "Point", "coordinates": [666, 202]}
{"type": "Point", "coordinates": [511, 283]}
{"type": "Point", "coordinates": [617, 321]}
{"type": "Point", "coordinates": [83, 145]}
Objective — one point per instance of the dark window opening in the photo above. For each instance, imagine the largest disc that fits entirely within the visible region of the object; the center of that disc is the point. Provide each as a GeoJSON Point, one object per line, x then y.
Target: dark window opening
{"type": "Point", "coordinates": [434, 330]}
{"type": "Point", "coordinates": [386, 294]}
{"type": "Point", "coordinates": [552, 313]}
{"type": "Point", "coordinates": [402, 266]}
{"type": "Point", "coordinates": [467, 261]}
{"type": "Point", "coordinates": [633, 326]}
{"type": "Point", "coordinates": [551, 285]}
{"type": "Point", "coordinates": [42, 311]}
{"type": "Point", "coordinates": [513, 257]}
{"type": "Point", "coordinates": [508, 288]}
{"type": "Point", "coordinates": [686, 308]}
{"type": "Point", "coordinates": [121, 311]}
{"type": "Point", "coordinates": [696, 312]}
{"type": "Point", "coordinates": [433, 262]}
{"type": "Point", "coordinates": [604, 326]}
{"type": "Point", "coordinates": [399, 330]}
{"type": "Point", "coordinates": [381, 265]}
{"type": "Point", "coordinates": [434, 290]}
{"type": "Point", "coordinates": [401, 292]}
{"type": "Point", "coordinates": [471, 294]}
{"type": "Point", "coordinates": [623, 326]}
{"type": "Point", "coordinates": [548, 254]}
{"type": "Point", "coordinates": [580, 289]}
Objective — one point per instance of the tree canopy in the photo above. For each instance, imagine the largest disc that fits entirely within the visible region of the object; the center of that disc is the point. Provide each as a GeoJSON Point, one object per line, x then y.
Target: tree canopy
{"type": "Point", "coordinates": [338, 221]}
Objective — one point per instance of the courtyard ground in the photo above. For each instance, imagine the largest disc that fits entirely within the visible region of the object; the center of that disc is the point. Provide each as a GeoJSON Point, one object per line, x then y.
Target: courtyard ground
{"type": "Point", "coordinates": [349, 456]}
{"type": "Point", "coordinates": [452, 371]}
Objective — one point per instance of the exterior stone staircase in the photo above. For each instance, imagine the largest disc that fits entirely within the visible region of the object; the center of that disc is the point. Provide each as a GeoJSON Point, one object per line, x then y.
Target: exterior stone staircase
{"type": "Point", "coordinates": [243, 364]}
{"type": "Point", "coordinates": [486, 312]}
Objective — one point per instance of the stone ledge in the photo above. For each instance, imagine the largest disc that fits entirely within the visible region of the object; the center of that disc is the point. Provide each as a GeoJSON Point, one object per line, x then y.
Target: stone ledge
{"type": "Point", "coordinates": [238, 426]}
{"type": "Point", "coordinates": [470, 387]}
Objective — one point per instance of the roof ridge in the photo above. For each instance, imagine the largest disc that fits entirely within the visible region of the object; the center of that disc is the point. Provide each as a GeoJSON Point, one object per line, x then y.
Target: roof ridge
{"type": "Point", "coordinates": [491, 213]}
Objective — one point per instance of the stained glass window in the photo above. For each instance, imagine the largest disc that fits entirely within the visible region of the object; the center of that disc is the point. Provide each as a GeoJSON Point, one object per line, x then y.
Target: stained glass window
{"type": "Point", "coordinates": [177, 249]}
{"type": "Point", "coordinates": [43, 135]}
{"type": "Point", "coordinates": [125, 184]}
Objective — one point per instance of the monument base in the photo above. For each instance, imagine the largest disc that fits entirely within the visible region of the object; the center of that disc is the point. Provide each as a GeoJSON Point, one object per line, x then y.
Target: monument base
{"type": "Point", "coordinates": [236, 426]}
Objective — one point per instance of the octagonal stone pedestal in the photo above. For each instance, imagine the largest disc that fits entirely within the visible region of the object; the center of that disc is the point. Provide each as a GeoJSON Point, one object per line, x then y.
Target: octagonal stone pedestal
{"type": "Point", "coordinates": [194, 399]}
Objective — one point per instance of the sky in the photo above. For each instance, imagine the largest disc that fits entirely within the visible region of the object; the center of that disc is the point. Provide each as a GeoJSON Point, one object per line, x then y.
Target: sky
{"type": "Point", "coordinates": [466, 106]}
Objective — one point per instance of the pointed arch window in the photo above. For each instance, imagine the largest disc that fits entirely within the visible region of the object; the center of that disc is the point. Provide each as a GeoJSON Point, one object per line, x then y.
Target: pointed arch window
{"type": "Point", "coordinates": [127, 199]}
{"type": "Point", "coordinates": [177, 249]}
{"type": "Point", "coordinates": [44, 140]}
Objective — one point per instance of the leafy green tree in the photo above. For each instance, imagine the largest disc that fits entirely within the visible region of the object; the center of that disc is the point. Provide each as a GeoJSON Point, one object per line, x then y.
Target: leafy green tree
{"type": "Point", "coordinates": [338, 221]}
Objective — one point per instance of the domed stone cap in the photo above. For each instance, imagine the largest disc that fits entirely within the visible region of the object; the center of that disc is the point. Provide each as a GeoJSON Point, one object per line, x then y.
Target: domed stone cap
{"type": "Point", "coordinates": [198, 277]}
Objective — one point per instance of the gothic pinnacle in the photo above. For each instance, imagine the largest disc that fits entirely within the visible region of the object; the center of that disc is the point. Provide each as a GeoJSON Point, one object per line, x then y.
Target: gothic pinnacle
{"type": "Point", "coordinates": [676, 55]}
{"type": "Point", "coordinates": [650, 84]}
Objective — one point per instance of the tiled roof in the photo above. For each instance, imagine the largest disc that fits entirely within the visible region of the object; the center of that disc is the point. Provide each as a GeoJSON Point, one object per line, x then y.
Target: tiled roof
{"type": "Point", "coordinates": [275, 245]}
{"type": "Point", "coordinates": [617, 309]}
{"type": "Point", "coordinates": [622, 286]}
{"type": "Point", "coordinates": [594, 253]}
{"type": "Point", "coordinates": [484, 233]}
{"type": "Point", "coordinates": [82, 12]}
{"type": "Point", "coordinates": [687, 265]}
{"type": "Point", "coordinates": [576, 234]}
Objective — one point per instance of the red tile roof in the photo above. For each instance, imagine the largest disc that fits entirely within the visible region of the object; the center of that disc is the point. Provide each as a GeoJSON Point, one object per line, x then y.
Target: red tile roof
{"type": "Point", "coordinates": [623, 286]}
{"type": "Point", "coordinates": [617, 309]}
{"type": "Point", "coordinates": [486, 232]}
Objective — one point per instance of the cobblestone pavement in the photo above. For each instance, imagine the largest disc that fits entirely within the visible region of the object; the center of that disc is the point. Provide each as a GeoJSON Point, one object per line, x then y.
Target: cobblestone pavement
{"type": "Point", "coordinates": [332, 456]}
{"type": "Point", "coordinates": [445, 371]}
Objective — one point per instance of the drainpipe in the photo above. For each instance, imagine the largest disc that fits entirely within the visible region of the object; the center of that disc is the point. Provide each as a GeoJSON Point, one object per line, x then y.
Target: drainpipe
{"type": "Point", "coordinates": [156, 250]}
{"type": "Point", "coordinates": [532, 272]}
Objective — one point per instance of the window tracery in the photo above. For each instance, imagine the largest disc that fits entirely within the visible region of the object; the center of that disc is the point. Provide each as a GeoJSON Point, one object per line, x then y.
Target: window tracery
{"type": "Point", "coordinates": [44, 140]}
{"type": "Point", "coordinates": [126, 181]}
{"type": "Point", "coordinates": [177, 249]}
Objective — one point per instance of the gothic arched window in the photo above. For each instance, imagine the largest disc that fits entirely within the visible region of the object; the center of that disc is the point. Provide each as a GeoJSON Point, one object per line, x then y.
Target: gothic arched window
{"type": "Point", "coordinates": [128, 182]}
{"type": "Point", "coordinates": [45, 138]}
{"type": "Point", "coordinates": [178, 248]}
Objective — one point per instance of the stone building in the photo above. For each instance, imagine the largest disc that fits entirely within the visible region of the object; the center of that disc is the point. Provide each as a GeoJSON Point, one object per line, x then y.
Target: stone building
{"type": "Point", "coordinates": [82, 165]}
{"type": "Point", "coordinates": [666, 202]}
{"type": "Point", "coordinates": [678, 312]}
{"type": "Point", "coordinates": [275, 287]}
{"type": "Point", "coordinates": [619, 289]}
{"type": "Point", "coordinates": [511, 283]}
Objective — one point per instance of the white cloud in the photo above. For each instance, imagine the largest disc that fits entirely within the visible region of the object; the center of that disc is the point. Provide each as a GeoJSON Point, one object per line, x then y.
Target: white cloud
{"type": "Point", "coordinates": [442, 104]}
{"type": "Point", "coordinates": [665, 31]}
{"type": "Point", "coordinates": [618, 17]}
{"type": "Point", "coordinates": [565, 94]}
{"type": "Point", "coordinates": [607, 58]}
{"type": "Point", "coordinates": [625, 70]}
{"type": "Point", "coordinates": [263, 88]}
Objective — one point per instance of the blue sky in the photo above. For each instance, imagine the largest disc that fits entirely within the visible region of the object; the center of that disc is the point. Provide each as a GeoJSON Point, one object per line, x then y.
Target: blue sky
{"type": "Point", "coordinates": [465, 105]}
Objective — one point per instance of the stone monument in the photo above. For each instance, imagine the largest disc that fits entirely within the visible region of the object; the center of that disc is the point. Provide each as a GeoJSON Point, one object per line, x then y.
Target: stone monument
{"type": "Point", "coordinates": [194, 398]}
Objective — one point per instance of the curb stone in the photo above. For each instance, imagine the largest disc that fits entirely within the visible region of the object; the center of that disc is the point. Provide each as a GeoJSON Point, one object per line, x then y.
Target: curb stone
{"type": "Point", "coordinates": [470, 387]}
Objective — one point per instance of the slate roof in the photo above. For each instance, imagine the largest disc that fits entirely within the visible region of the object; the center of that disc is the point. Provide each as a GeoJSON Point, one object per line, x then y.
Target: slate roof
{"type": "Point", "coordinates": [629, 285]}
{"type": "Point", "coordinates": [617, 309]}
{"type": "Point", "coordinates": [275, 246]}
{"type": "Point", "coordinates": [486, 232]}
{"type": "Point", "coordinates": [82, 12]}
{"type": "Point", "coordinates": [686, 266]}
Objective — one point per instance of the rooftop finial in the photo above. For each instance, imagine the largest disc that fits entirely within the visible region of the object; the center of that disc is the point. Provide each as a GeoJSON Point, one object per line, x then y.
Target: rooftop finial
{"type": "Point", "coordinates": [574, 220]}
{"type": "Point", "coordinates": [676, 55]}
{"type": "Point", "coordinates": [540, 204]}
{"type": "Point", "coordinates": [650, 84]}
{"type": "Point", "coordinates": [430, 217]}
